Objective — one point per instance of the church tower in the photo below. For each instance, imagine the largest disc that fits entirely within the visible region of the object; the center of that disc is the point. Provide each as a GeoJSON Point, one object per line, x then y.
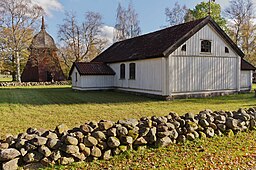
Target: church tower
{"type": "Point", "coordinates": [43, 64]}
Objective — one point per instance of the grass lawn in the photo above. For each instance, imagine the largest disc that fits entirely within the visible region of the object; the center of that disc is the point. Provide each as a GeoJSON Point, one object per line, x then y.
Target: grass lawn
{"type": "Point", "coordinates": [48, 106]}
{"type": "Point", "coordinates": [5, 78]}
{"type": "Point", "coordinates": [237, 152]}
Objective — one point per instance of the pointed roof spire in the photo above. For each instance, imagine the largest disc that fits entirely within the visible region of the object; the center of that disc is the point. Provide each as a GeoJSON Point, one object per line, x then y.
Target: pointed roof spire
{"type": "Point", "coordinates": [42, 26]}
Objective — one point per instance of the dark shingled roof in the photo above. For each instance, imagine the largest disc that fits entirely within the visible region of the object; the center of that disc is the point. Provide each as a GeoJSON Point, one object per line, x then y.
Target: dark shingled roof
{"type": "Point", "coordinates": [92, 68]}
{"type": "Point", "coordinates": [158, 44]}
{"type": "Point", "coordinates": [245, 65]}
{"type": "Point", "coordinates": [43, 39]}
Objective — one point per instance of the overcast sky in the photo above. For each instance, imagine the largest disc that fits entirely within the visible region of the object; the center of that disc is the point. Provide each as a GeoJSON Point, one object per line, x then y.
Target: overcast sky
{"type": "Point", "coordinates": [151, 12]}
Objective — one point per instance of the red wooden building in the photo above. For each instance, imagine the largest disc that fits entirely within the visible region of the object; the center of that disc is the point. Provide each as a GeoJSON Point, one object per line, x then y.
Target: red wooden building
{"type": "Point", "coordinates": [43, 64]}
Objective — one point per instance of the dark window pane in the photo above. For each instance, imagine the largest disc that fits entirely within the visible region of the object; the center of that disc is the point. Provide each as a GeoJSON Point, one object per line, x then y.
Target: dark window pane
{"type": "Point", "coordinates": [183, 48]}
{"type": "Point", "coordinates": [122, 71]}
{"type": "Point", "coordinates": [226, 50]}
{"type": "Point", "coordinates": [206, 46]}
{"type": "Point", "coordinates": [132, 71]}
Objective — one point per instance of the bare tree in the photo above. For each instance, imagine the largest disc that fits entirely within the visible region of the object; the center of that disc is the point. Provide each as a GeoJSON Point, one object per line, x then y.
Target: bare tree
{"type": "Point", "coordinates": [127, 23]}
{"type": "Point", "coordinates": [91, 28]}
{"type": "Point", "coordinates": [18, 20]}
{"type": "Point", "coordinates": [176, 15]}
{"type": "Point", "coordinates": [71, 37]}
{"type": "Point", "coordinates": [242, 27]}
{"type": "Point", "coordinates": [120, 27]}
{"type": "Point", "coordinates": [239, 13]}
{"type": "Point", "coordinates": [78, 39]}
{"type": "Point", "coordinates": [133, 22]}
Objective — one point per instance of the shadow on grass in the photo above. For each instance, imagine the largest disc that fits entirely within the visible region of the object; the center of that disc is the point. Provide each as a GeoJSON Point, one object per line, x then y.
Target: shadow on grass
{"type": "Point", "coordinates": [60, 95]}
{"type": "Point", "coordinates": [65, 95]}
{"type": "Point", "coordinates": [234, 98]}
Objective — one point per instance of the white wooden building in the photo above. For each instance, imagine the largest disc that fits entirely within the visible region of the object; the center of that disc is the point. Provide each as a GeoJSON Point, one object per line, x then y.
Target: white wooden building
{"type": "Point", "coordinates": [195, 58]}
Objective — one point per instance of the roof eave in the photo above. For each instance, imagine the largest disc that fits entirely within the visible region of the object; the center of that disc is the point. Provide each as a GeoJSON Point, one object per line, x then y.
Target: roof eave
{"type": "Point", "coordinates": [248, 69]}
{"type": "Point", "coordinates": [72, 68]}
{"type": "Point", "coordinates": [186, 37]}
{"type": "Point", "coordinates": [251, 67]}
{"type": "Point", "coordinates": [135, 59]}
{"type": "Point", "coordinates": [112, 74]}
{"type": "Point", "coordinates": [227, 38]}
{"type": "Point", "coordinates": [200, 25]}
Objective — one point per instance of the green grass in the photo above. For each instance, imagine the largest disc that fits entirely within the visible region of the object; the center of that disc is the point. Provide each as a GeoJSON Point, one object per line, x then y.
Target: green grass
{"type": "Point", "coordinates": [5, 78]}
{"type": "Point", "coordinates": [48, 106]}
{"type": "Point", "coordinates": [237, 152]}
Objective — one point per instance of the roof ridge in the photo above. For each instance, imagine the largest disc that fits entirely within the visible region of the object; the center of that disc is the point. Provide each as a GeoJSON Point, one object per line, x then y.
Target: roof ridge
{"type": "Point", "coordinates": [91, 62]}
{"type": "Point", "coordinates": [159, 43]}
{"type": "Point", "coordinates": [92, 68]}
{"type": "Point", "coordinates": [169, 27]}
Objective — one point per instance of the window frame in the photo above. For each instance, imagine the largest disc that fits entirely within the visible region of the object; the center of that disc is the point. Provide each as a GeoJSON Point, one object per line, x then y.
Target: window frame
{"type": "Point", "coordinates": [206, 46]}
{"type": "Point", "coordinates": [76, 76]}
{"type": "Point", "coordinates": [132, 71]}
{"type": "Point", "coordinates": [122, 71]}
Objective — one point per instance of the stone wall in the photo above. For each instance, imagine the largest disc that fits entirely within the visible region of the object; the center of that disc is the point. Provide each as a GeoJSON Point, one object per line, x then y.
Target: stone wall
{"type": "Point", "coordinates": [104, 139]}
{"type": "Point", "coordinates": [13, 84]}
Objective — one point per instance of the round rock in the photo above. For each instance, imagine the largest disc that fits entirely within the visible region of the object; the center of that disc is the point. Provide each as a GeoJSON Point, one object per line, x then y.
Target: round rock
{"type": "Point", "coordinates": [113, 142]}
{"type": "Point", "coordinates": [10, 165]}
{"type": "Point", "coordinates": [96, 152]}
{"type": "Point", "coordinates": [104, 125]}
{"type": "Point", "coordinates": [44, 150]}
{"type": "Point", "coordinates": [90, 141]}
{"type": "Point", "coordinates": [100, 136]}
{"type": "Point", "coordinates": [61, 129]}
{"type": "Point", "coordinates": [8, 154]}
{"type": "Point", "coordinates": [164, 141]}
{"type": "Point", "coordinates": [71, 140]}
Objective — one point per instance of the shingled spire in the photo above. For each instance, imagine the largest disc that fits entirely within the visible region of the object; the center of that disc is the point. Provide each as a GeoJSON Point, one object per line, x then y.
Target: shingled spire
{"type": "Point", "coordinates": [43, 63]}
{"type": "Point", "coordinates": [42, 26]}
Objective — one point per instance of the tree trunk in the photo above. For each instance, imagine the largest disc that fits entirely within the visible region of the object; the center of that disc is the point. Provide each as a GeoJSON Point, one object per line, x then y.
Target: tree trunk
{"type": "Point", "coordinates": [13, 73]}
{"type": "Point", "coordinates": [18, 66]}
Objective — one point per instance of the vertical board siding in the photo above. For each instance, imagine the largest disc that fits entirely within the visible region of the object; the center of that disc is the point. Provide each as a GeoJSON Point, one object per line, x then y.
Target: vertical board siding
{"type": "Point", "coordinates": [206, 33]}
{"type": "Point", "coordinates": [245, 79]}
{"type": "Point", "coordinates": [194, 71]}
{"type": "Point", "coordinates": [149, 75]}
{"type": "Point", "coordinates": [194, 74]}
{"type": "Point", "coordinates": [97, 81]}
{"type": "Point", "coordinates": [73, 78]}
{"type": "Point", "coordinates": [91, 81]}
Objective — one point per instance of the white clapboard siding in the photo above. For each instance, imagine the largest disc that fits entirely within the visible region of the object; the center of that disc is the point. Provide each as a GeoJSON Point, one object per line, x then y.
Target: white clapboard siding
{"type": "Point", "coordinates": [97, 81]}
{"type": "Point", "coordinates": [150, 76]}
{"type": "Point", "coordinates": [75, 83]}
{"type": "Point", "coordinates": [194, 71]}
{"type": "Point", "coordinates": [195, 74]}
{"type": "Point", "coordinates": [193, 45]}
{"type": "Point", "coordinates": [91, 82]}
{"type": "Point", "coordinates": [246, 79]}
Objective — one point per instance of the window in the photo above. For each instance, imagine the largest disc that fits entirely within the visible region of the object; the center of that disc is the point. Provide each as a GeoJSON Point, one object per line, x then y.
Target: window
{"type": "Point", "coordinates": [122, 71]}
{"type": "Point", "coordinates": [226, 50]}
{"type": "Point", "coordinates": [206, 46]}
{"type": "Point", "coordinates": [76, 76]}
{"type": "Point", "coordinates": [132, 71]}
{"type": "Point", "coordinates": [183, 48]}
